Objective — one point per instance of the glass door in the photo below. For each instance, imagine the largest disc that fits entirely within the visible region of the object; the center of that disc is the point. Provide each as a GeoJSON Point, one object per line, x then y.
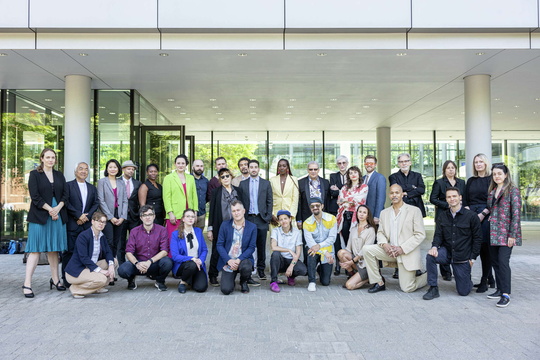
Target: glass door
{"type": "Point", "coordinates": [161, 145]}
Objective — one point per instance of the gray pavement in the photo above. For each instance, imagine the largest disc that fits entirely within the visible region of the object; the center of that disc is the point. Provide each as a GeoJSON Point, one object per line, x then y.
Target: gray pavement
{"type": "Point", "coordinates": [332, 323]}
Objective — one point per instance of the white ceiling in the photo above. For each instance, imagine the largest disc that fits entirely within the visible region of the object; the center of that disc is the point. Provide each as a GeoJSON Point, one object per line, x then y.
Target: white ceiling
{"type": "Point", "coordinates": [299, 90]}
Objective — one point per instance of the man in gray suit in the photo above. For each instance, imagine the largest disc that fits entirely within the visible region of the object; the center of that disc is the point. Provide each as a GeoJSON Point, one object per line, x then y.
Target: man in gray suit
{"type": "Point", "coordinates": [258, 201]}
{"type": "Point", "coordinates": [132, 193]}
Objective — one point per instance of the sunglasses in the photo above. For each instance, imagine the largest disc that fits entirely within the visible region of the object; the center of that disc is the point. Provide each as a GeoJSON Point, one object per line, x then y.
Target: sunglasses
{"type": "Point", "coordinates": [226, 176]}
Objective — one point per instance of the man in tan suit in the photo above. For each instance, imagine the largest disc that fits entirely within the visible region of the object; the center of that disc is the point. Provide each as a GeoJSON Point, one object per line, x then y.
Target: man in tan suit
{"type": "Point", "coordinates": [401, 231]}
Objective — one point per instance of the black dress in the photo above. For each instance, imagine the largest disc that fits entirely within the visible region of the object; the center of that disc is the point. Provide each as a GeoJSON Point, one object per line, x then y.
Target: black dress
{"type": "Point", "coordinates": [154, 197]}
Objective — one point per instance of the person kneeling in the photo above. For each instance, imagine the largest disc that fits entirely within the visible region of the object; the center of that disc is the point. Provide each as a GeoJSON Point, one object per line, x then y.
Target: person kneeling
{"type": "Point", "coordinates": [352, 258]}
{"type": "Point", "coordinates": [188, 250]}
{"type": "Point", "coordinates": [92, 265]}
{"type": "Point", "coordinates": [235, 244]}
{"type": "Point", "coordinates": [458, 248]}
{"type": "Point", "coordinates": [286, 250]}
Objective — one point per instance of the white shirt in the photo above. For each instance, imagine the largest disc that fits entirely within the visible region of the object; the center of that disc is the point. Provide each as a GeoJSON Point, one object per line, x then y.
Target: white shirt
{"type": "Point", "coordinates": [84, 194]}
{"type": "Point", "coordinates": [394, 229]}
{"type": "Point", "coordinates": [288, 240]}
{"type": "Point", "coordinates": [194, 251]}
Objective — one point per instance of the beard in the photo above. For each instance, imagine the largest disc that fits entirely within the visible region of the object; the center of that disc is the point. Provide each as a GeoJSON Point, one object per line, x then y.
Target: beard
{"type": "Point", "coordinates": [198, 172]}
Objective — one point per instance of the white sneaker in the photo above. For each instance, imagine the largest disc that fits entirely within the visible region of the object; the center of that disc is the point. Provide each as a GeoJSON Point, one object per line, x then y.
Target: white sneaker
{"type": "Point", "coordinates": [312, 287]}
{"type": "Point", "coordinates": [102, 291]}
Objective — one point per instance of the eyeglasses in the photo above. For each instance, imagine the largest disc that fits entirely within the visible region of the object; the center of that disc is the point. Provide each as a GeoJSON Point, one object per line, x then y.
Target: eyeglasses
{"type": "Point", "coordinates": [226, 176]}
{"type": "Point", "coordinates": [314, 206]}
{"type": "Point", "coordinates": [313, 169]}
{"type": "Point", "coordinates": [403, 161]}
{"type": "Point", "coordinates": [147, 215]}
{"type": "Point", "coordinates": [369, 163]}
{"type": "Point", "coordinates": [102, 222]}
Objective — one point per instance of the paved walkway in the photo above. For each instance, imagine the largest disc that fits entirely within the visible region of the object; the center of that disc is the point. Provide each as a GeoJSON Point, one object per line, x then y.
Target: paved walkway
{"type": "Point", "coordinates": [332, 323]}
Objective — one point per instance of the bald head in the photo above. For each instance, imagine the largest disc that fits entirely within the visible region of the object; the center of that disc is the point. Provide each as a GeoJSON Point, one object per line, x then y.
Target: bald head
{"type": "Point", "coordinates": [197, 168]}
{"type": "Point", "coordinates": [396, 195]}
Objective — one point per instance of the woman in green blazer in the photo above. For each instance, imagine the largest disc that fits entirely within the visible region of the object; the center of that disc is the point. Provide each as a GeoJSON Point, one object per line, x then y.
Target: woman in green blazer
{"type": "Point", "coordinates": [179, 194]}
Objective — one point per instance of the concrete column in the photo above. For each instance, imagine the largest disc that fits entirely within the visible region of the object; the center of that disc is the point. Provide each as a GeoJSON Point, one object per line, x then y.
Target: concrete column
{"type": "Point", "coordinates": [384, 146]}
{"type": "Point", "coordinates": [77, 123]}
{"type": "Point", "coordinates": [477, 118]}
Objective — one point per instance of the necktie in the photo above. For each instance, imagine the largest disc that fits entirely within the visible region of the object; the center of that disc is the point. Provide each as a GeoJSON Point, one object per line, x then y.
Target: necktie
{"type": "Point", "coordinates": [128, 189]}
{"type": "Point", "coordinates": [190, 240]}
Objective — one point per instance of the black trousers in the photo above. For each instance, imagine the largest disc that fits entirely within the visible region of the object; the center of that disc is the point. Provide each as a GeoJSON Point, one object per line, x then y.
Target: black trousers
{"type": "Point", "coordinates": [158, 270]}
{"type": "Point", "coordinates": [228, 278]}
{"type": "Point", "coordinates": [113, 233]}
{"type": "Point", "coordinates": [279, 264]}
{"type": "Point", "coordinates": [262, 232]}
{"type": "Point", "coordinates": [214, 257]}
{"type": "Point", "coordinates": [500, 259]}
{"type": "Point", "coordinates": [189, 273]}
{"type": "Point", "coordinates": [127, 226]}
{"type": "Point", "coordinates": [485, 255]}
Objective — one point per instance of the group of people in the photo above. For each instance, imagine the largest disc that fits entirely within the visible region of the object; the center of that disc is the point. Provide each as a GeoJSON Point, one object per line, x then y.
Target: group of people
{"type": "Point", "coordinates": [317, 227]}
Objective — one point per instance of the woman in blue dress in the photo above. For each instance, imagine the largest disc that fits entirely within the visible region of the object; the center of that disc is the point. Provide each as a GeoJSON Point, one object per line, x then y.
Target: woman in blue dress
{"type": "Point", "coordinates": [46, 219]}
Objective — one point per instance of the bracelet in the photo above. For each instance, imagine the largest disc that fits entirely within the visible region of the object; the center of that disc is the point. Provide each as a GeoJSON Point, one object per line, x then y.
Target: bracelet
{"type": "Point", "coordinates": [136, 262]}
{"type": "Point", "coordinates": [151, 261]}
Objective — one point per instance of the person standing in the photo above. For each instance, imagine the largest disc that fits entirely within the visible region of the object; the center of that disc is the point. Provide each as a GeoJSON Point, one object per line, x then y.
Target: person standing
{"type": "Point", "coordinates": [257, 198]}
{"type": "Point", "coordinates": [179, 193]}
{"type": "Point", "coordinates": [151, 193]}
{"type": "Point", "coordinates": [201, 182]}
{"type": "Point", "coordinates": [214, 182]}
{"type": "Point", "coordinates": [46, 219]}
{"type": "Point", "coordinates": [504, 208]}
{"type": "Point", "coordinates": [476, 193]}
{"type": "Point", "coordinates": [132, 186]}
{"type": "Point", "coordinates": [438, 198]}
{"type": "Point", "coordinates": [376, 196]}
{"type": "Point", "coordinates": [284, 191]}
{"type": "Point", "coordinates": [244, 171]}
{"type": "Point", "coordinates": [337, 181]}
{"type": "Point", "coordinates": [81, 205]}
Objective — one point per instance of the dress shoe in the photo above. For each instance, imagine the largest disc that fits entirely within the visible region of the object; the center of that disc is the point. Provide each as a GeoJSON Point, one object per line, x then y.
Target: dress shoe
{"type": "Point", "coordinates": [504, 301]}
{"type": "Point", "coordinates": [497, 294]}
{"type": "Point", "coordinates": [482, 287]}
{"type": "Point", "coordinates": [182, 288]}
{"type": "Point", "coordinates": [253, 282]}
{"type": "Point", "coordinates": [376, 288]}
{"type": "Point", "coordinates": [58, 286]}
{"type": "Point", "coordinates": [396, 274]}
{"type": "Point", "coordinates": [28, 295]}
{"type": "Point", "coordinates": [447, 277]}
{"type": "Point", "coordinates": [432, 293]}
{"type": "Point", "coordinates": [213, 281]}
{"type": "Point", "coordinates": [244, 288]}
{"type": "Point", "coordinates": [337, 271]}
{"type": "Point", "coordinates": [491, 282]}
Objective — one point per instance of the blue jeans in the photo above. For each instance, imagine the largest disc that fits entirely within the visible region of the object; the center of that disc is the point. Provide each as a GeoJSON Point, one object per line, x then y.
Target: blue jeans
{"type": "Point", "coordinates": [462, 271]}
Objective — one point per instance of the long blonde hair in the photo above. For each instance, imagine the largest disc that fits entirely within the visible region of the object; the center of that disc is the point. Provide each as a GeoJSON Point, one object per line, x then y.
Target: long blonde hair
{"type": "Point", "coordinates": [486, 161]}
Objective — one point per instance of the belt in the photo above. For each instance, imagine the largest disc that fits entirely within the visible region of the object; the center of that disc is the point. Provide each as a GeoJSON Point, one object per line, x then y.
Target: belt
{"type": "Point", "coordinates": [253, 214]}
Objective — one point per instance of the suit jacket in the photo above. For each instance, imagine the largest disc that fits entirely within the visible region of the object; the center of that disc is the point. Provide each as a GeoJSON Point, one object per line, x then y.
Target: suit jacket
{"type": "Point", "coordinates": [174, 197]}
{"type": "Point", "coordinates": [303, 201]}
{"type": "Point", "coordinates": [411, 234]}
{"type": "Point", "coordinates": [82, 255]}
{"type": "Point", "coordinates": [225, 238]}
{"type": "Point", "coordinates": [376, 196]}
{"type": "Point", "coordinates": [179, 252]}
{"type": "Point", "coordinates": [133, 201]}
{"type": "Point", "coordinates": [335, 179]}
{"type": "Point", "coordinates": [215, 216]}
{"type": "Point", "coordinates": [438, 194]}
{"type": "Point", "coordinates": [106, 198]}
{"type": "Point", "coordinates": [264, 198]}
{"type": "Point", "coordinates": [41, 193]}
{"type": "Point", "coordinates": [74, 205]}
{"type": "Point", "coordinates": [288, 200]}
{"type": "Point", "coordinates": [505, 217]}
{"type": "Point", "coordinates": [413, 185]}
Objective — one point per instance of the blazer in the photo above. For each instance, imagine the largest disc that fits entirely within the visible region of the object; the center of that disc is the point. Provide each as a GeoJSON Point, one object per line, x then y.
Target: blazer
{"type": "Point", "coordinates": [411, 234]}
{"type": "Point", "coordinates": [264, 198]}
{"type": "Point", "coordinates": [174, 197]}
{"type": "Point", "coordinates": [303, 201]}
{"type": "Point", "coordinates": [335, 179]}
{"type": "Point", "coordinates": [505, 217]}
{"type": "Point", "coordinates": [215, 216]}
{"type": "Point", "coordinates": [41, 193]}
{"type": "Point", "coordinates": [82, 254]}
{"type": "Point", "coordinates": [438, 194]}
{"type": "Point", "coordinates": [225, 238]}
{"type": "Point", "coordinates": [376, 196]}
{"type": "Point", "coordinates": [179, 252]}
{"type": "Point", "coordinates": [74, 204]}
{"type": "Point", "coordinates": [413, 185]}
{"type": "Point", "coordinates": [106, 198]}
{"type": "Point", "coordinates": [133, 201]}
{"type": "Point", "coordinates": [288, 199]}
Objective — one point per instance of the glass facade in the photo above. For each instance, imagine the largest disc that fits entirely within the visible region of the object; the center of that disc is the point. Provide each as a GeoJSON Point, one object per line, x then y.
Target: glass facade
{"type": "Point", "coordinates": [126, 126]}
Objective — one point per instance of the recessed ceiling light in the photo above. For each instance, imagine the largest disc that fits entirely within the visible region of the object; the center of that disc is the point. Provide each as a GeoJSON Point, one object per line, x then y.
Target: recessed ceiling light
{"type": "Point", "coordinates": [83, 54]}
{"type": "Point", "coordinates": [24, 107]}
{"type": "Point", "coordinates": [323, 113]}
{"type": "Point", "coordinates": [366, 106]}
{"type": "Point", "coordinates": [286, 118]}
{"type": "Point", "coordinates": [333, 99]}
{"type": "Point", "coordinates": [112, 113]}
{"type": "Point", "coordinates": [516, 106]}
{"type": "Point", "coordinates": [62, 107]}
{"type": "Point", "coordinates": [218, 113]}
{"type": "Point", "coordinates": [215, 107]}
{"type": "Point", "coordinates": [450, 118]}
{"type": "Point", "coordinates": [212, 99]}
{"type": "Point", "coordinates": [358, 113]}
{"type": "Point", "coordinates": [374, 99]}
{"type": "Point", "coordinates": [49, 100]}
{"type": "Point", "coordinates": [252, 100]}
{"type": "Point", "coordinates": [288, 113]}
{"type": "Point", "coordinates": [220, 118]}
{"type": "Point", "coordinates": [171, 100]}
{"type": "Point", "coordinates": [182, 113]}
{"type": "Point", "coordinates": [328, 106]}
{"type": "Point", "coordinates": [187, 119]}
{"type": "Point", "coordinates": [401, 54]}
{"type": "Point", "coordinates": [252, 113]}
{"type": "Point", "coordinates": [177, 107]}
{"type": "Point", "coordinates": [352, 118]}
{"type": "Point", "coordinates": [3, 54]}
{"type": "Point", "coordinates": [499, 112]}
{"type": "Point", "coordinates": [480, 53]}
{"type": "Point", "coordinates": [242, 54]}
{"type": "Point", "coordinates": [253, 118]}
{"type": "Point", "coordinates": [318, 118]}
{"type": "Point", "coordinates": [292, 99]}
{"type": "Point", "coordinates": [534, 112]}
{"type": "Point", "coordinates": [290, 107]}
{"type": "Point", "coordinates": [537, 99]}
{"type": "Point", "coordinates": [102, 107]}
{"type": "Point", "coordinates": [516, 118]}
{"type": "Point", "coordinates": [497, 99]}
{"type": "Point", "coordinates": [322, 54]}
{"type": "Point", "coordinates": [252, 107]}
{"type": "Point", "coordinates": [163, 54]}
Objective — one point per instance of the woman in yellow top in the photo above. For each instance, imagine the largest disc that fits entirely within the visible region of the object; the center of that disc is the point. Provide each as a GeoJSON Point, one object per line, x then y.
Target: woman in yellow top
{"type": "Point", "coordinates": [179, 194]}
{"type": "Point", "coordinates": [284, 190]}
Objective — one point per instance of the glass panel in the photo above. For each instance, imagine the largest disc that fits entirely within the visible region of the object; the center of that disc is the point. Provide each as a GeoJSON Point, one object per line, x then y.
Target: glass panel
{"type": "Point", "coordinates": [354, 145]}
{"type": "Point", "coordinates": [202, 151]}
{"type": "Point", "coordinates": [235, 145]}
{"type": "Point", "coordinates": [33, 120]}
{"type": "Point", "coordinates": [298, 147]}
{"type": "Point", "coordinates": [162, 147]}
{"type": "Point", "coordinates": [524, 163]}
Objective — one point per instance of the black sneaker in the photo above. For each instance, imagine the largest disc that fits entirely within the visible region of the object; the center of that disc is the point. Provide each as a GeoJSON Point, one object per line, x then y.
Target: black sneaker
{"type": "Point", "coordinates": [504, 301]}
{"type": "Point", "coordinates": [244, 287]}
{"type": "Point", "coordinates": [262, 276]}
{"type": "Point", "coordinates": [182, 288]}
{"type": "Point", "coordinates": [213, 281]}
{"type": "Point", "coordinates": [253, 282]}
{"type": "Point", "coordinates": [497, 294]}
{"type": "Point", "coordinates": [161, 286]}
{"type": "Point", "coordinates": [396, 274]}
{"type": "Point", "coordinates": [432, 293]}
{"type": "Point", "coordinates": [132, 285]}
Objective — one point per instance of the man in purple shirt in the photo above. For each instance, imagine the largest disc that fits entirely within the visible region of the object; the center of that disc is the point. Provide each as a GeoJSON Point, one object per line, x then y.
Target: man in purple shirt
{"type": "Point", "coordinates": [146, 252]}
